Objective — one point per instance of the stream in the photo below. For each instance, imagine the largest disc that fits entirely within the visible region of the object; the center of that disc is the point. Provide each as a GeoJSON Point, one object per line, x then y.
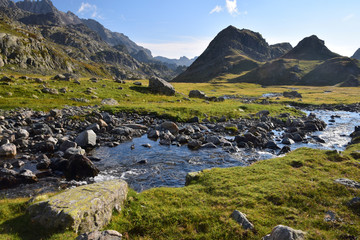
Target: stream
{"type": "Point", "coordinates": [160, 166]}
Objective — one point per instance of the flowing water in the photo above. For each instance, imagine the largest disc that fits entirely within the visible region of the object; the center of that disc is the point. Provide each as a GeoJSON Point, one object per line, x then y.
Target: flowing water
{"type": "Point", "coordinates": [145, 168]}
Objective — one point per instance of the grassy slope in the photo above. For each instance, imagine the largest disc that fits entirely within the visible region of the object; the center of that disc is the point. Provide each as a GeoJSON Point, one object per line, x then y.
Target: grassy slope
{"type": "Point", "coordinates": [270, 192]}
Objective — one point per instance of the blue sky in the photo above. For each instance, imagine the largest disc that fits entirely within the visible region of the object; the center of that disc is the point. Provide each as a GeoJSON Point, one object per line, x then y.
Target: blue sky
{"type": "Point", "coordinates": [174, 28]}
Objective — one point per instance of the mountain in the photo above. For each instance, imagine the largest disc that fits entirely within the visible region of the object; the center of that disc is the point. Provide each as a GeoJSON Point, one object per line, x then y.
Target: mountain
{"type": "Point", "coordinates": [47, 13]}
{"type": "Point", "coordinates": [310, 63]}
{"type": "Point", "coordinates": [115, 38]}
{"type": "Point", "coordinates": [232, 51]}
{"type": "Point", "coordinates": [50, 41]}
{"type": "Point", "coordinates": [182, 61]}
{"type": "Point", "coordinates": [311, 48]}
{"type": "Point", "coordinates": [7, 3]}
{"type": "Point", "coordinates": [356, 54]}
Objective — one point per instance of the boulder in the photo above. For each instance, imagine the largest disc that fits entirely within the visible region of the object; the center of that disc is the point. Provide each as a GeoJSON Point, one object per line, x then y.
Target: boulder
{"type": "Point", "coordinates": [80, 167]}
{"type": "Point", "coordinates": [194, 144]}
{"type": "Point", "coordinates": [348, 182]}
{"type": "Point", "coordinates": [97, 235]}
{"type": "Point", "coordinates": [22, 133]}
{"type": "Point", "coordinates": [158, 85]}
{"type": "Point", "coordinates": [82, 209]}
{"type": "Point", "coordinates": [292, 94]}
{"type": "Point", "coordinates": [281, 232]}
{"type": "Point", "coordinates": [171, 126]}
{"type": "Point", "coordinates": [153, 134]}
{"type": "Point", "coordinates": [74, 151]}
{"type": "Point", "coordinates": [86, 138]}
{"type": "Point", "coordinates": [240, 218]}
{"type": "Point", "coordinates": [67, 144]}
{"type": "Point", "coordinates": [8, 150]}
{"type": "Point", "coordinates": [197, 94]}
{"type": "Point", "coordinates": [192, 176]}
{"type": "Point", "coordinates": [109, 101]}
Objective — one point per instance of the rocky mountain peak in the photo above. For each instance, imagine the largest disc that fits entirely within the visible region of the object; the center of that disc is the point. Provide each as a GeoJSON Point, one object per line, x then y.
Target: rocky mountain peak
{"type": "Point", "coordinates": [7, 3]}
{"type": "Point", "coordinates": [356, 54]}
{"type": "Point", "coordinates": [38, 7]}
{"type": "Point", "coordinates": [311, 48]}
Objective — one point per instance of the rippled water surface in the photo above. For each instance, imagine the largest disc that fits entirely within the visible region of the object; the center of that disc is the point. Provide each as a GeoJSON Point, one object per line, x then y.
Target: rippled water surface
{"type": "Point", "coordinates": [145, 168]}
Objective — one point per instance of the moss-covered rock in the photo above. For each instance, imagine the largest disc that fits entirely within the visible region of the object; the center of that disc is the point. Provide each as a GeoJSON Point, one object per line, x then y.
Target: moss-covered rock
{"type": "Point", "coordinates": [82, 209]}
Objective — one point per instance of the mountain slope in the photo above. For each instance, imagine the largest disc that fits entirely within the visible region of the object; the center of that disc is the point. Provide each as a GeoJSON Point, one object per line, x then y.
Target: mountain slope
{"type": "Point", "coordinates": [231, 51]}
{"type": "Point", "coordinates": [310, 63]}
{"type": "Point", "coordinates": [356, 54]}
{"type": "Point", "coordinates": [74, 41]}
{"type": "Point", "coordinates": [114, 38]}
{"type": "Point", "coordinates": [310, 48]}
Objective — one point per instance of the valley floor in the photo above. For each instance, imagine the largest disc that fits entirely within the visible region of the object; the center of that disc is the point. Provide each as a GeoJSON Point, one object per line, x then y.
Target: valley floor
{"type": "Point", "coordinates": [298, 190]}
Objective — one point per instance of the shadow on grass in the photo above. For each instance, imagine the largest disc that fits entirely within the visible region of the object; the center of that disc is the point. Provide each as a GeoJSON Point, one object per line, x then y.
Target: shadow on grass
{"type": "Point", "coordinates": [140, 89]}
{"type": "Point", "coordinates": [23, 228]}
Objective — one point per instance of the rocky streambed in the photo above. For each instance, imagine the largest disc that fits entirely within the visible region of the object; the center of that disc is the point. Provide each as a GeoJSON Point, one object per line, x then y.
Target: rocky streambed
{"type": "Point", "coordinates": [43, 152]}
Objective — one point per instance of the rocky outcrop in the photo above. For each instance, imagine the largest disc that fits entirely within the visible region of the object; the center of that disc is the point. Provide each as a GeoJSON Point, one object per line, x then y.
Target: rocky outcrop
{"type": "Point", "coordinates": [160, 86]}
{"type": "Point", "coordinates": [281, 232]}
{"type": "Point", "coordinates": [82, 209]}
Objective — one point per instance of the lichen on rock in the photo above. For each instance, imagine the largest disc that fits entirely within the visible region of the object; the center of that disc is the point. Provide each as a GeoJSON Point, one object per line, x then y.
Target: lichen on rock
{"type": "Point", "coordinates": [82, 209]}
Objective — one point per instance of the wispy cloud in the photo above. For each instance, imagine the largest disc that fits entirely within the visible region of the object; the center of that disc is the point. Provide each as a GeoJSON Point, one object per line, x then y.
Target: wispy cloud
{"type": "Point", "coordinates": [348, 17]}
{"type": "Point", "coordinates": [189, 47]}
{"type": "Point", "coordinates": [87, 8]}
{"type": "Point", "coordinates": [231, 6]}
{"type": "Point", "coordinates": [216, 9]}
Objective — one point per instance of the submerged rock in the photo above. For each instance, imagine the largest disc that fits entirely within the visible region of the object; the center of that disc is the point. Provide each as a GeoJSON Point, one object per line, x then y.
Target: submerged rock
{"type": "Point", "coordinates": [82, 209]}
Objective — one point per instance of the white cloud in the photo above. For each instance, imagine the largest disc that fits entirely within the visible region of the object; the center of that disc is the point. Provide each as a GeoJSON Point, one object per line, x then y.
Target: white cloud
{"type": "Point", "coordinates": [190, 48]}
{"type": "Point", "coordinates": [89, 9]}
{"type": "Point", "coordinates": [231, 6]}
{"type": "Point", "coordinates": [348, 17]}
{"type": "Point", "coordinates": [216, 9]}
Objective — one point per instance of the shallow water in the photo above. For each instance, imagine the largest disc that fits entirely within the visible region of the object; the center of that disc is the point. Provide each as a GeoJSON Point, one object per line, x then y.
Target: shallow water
{"type": "Point", "coordinates": [168, 165]}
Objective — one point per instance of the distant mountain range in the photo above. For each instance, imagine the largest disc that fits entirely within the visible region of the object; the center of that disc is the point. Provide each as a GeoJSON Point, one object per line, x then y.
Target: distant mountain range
{"type": "Point", "coordinates": [244, 56]}
{"type": "Point", "coordinates": [58, 41]}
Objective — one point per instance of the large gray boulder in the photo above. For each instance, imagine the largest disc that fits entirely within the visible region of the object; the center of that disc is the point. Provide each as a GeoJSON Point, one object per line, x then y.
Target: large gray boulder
{"type": "Point", "coordinates": [197, 94]}
{"type": "Point", "coordinates": [83, 209]}
{"type": "Point", "coordinates": [86, 138]}
{"type": "Point", "coordinates": [158, 85]}
{"type": "Point", "coordinates": [281, 232]}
